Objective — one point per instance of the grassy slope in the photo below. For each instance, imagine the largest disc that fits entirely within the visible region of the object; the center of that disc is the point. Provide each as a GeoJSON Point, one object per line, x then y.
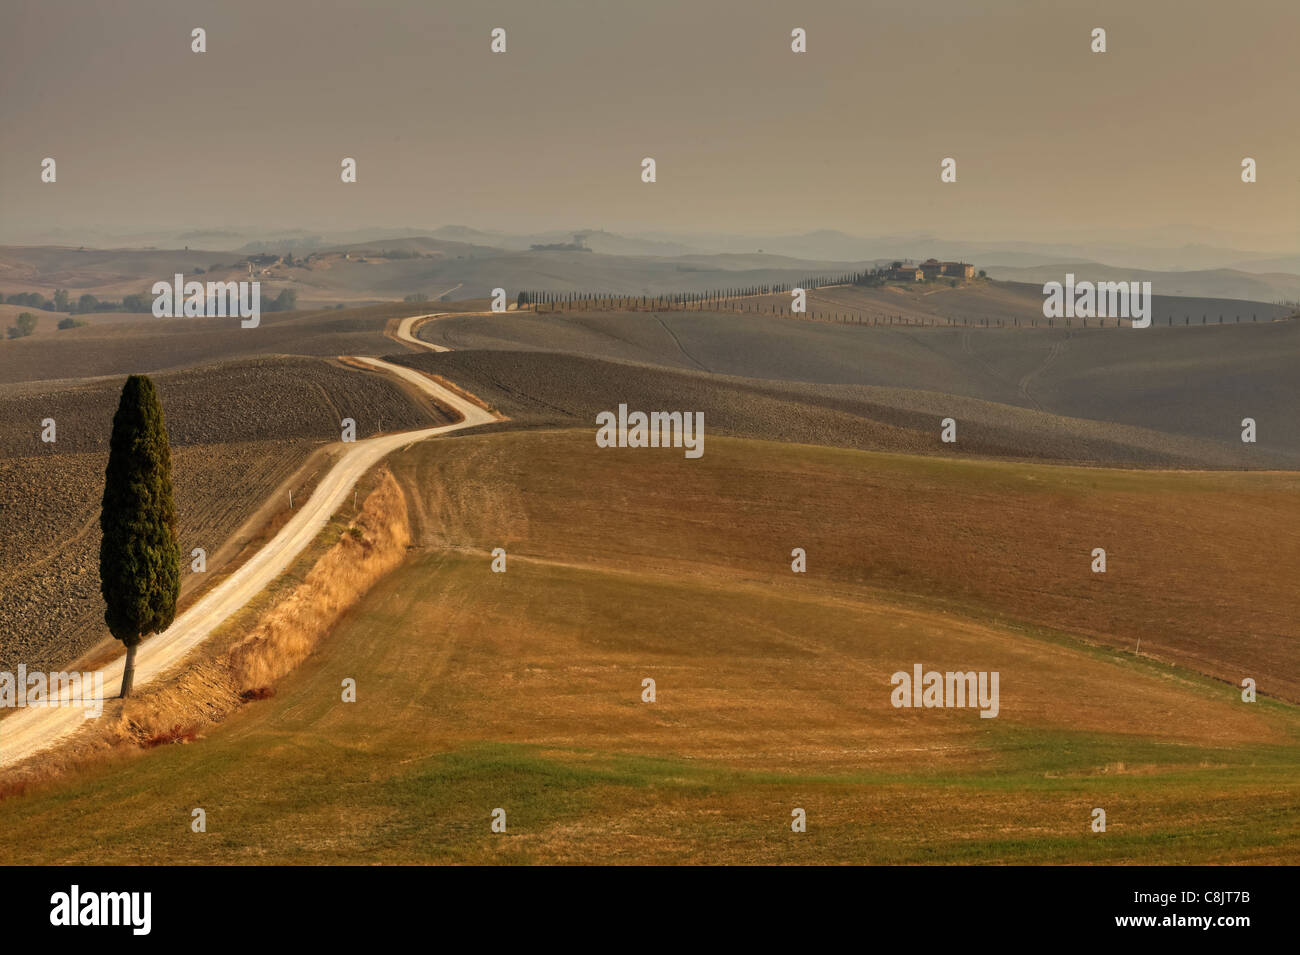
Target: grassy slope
{"type": "Point", "coordinates": [1200, 564]}
{"type": "Point", "coordinates": [522, 690]}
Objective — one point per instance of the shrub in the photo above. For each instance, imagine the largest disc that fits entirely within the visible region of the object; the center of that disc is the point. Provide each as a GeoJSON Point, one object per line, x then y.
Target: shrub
{"type": "Point", "coordinates": [23, 326]}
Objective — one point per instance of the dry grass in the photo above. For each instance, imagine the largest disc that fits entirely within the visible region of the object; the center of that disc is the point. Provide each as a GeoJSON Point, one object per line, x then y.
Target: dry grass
{"type": "Point", "coordinates": [522, 690]}
{"type": "Point", "coordinates": [290, 632]}
{"type": "Point", "coordinates": [1200, 564]}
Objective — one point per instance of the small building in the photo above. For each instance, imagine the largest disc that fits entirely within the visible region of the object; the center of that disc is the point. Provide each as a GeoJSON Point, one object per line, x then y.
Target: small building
{"type": "Point", "coordinates": [958, 270]}
{"type": "Point", "coordinates": [932, 268]}
{"type": "Point", "coordinates": [907, 273]}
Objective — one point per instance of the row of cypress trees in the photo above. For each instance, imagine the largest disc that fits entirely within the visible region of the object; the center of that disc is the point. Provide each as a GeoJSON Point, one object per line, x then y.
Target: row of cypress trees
{"type": "Point", "coordinates": [531, 297]}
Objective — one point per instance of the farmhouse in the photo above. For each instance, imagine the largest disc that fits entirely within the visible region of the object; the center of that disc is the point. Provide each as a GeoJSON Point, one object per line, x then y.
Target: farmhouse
{"type": "Point", "coordinates": [933, 269]}
{"type": "Point", "coordinates": [908, 273]}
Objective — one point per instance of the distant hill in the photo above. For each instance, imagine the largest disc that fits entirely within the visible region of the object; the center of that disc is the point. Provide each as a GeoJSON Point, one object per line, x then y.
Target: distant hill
{"type": "Point", "coordinates": [1214, 283]}
{"type": "Point", "coordinates": [390, 269]}
{"type": "Point", "coordinates": [1148, 249]}
{"type": "Point", "coordinates": [597, 240]}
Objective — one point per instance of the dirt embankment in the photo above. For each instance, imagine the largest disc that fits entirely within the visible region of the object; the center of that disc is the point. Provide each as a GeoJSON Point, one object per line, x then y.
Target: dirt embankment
{"type": "Point", "coordinates": [246, 663]}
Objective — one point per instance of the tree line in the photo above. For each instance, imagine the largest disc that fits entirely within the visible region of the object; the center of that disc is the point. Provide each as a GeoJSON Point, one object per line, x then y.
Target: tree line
{"type": "Point", "coordinates": [536, 297]}
{"type": "Point", "coordinates": [869, 278]}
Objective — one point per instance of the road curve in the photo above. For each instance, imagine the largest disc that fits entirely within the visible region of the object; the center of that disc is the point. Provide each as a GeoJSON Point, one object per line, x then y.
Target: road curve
{"type": "Point", "coordinates": [407, 328]}
{"type": "Point", "coordinates": [30, 730]}
{"type": "Point", "coordinates": [406, 331]}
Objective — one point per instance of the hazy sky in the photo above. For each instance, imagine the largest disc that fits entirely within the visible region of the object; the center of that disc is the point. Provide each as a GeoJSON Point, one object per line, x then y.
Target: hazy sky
{"type": "Point", "coordinates": [1050, 139]}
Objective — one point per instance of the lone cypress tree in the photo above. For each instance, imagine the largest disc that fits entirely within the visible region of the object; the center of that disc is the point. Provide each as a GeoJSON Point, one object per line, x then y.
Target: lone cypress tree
{"type": "Point", "coordinates": [139, 560]}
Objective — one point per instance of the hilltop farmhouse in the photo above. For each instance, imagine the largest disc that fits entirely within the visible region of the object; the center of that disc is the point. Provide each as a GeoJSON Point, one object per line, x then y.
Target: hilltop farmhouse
{"type": "Point", "coordinates": [907, 273]}
{"type": "Point", "coordinates": [931, 269]}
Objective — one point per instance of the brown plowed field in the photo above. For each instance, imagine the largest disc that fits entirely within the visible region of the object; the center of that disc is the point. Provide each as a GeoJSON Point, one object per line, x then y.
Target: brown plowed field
{"type": "Point", "coordinates": [161, 344]}
{"type": "Point", "coordinates": [543, 389]}
{"type": "Point", "coordinates": [238, 430]}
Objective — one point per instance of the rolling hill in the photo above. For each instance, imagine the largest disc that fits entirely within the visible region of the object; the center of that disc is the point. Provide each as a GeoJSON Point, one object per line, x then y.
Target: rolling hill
{"type": "Point", "coordinates": [523, 690]}
{"type": "Point", "coordinates": [1099, 395]}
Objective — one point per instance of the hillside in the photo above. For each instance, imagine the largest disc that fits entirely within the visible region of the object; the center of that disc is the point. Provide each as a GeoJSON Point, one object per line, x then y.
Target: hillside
{"type": "Point", "coordinates": [390, 269]}
{"type": "Point", "coordinates": [1254, 285]}
{"type": "Point", "coordinates": [1070, 394]}
{"type": "Point", "coordinates": [126, 346]}
{"type": "Point", "coordinates": [523, 690]}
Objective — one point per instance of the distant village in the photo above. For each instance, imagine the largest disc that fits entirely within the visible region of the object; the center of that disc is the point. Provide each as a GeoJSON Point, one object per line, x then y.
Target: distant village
{"type": "Point", "coordinates": [931, 269]}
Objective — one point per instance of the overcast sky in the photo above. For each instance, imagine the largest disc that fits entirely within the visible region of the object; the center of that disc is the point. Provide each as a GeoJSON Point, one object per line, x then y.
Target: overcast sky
{"type": "Point", "coordinates": [1051, 140]}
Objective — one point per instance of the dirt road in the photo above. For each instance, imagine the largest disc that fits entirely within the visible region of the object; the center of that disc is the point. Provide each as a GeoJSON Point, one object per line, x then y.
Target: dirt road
{"type": "Point", "coordinates": [407, 328]}
{"type": "Point", "coordinates": [406, 331]}
{"type": "Point", "coordinates": [31, 730]}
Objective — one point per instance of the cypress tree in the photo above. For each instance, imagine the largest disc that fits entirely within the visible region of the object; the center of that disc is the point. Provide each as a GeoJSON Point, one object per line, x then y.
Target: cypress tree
{"type": "Point", "coordinates": [139, 559]}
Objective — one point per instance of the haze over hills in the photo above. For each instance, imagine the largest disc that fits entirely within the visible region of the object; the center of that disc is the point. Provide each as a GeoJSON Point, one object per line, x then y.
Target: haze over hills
{"type": "Point", "coordinates": [1132, 249]}
{"type": "Point", "coordinates": [1210, 283]}
{"type": "Point", "coordinates": [393, 269]}
{"type": "Point", "coordinates": [462, 263]}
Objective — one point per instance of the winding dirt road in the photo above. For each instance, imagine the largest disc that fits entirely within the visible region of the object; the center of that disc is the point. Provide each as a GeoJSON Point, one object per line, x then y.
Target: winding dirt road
{"type": "Point", "coordinates": [30, 730]}
{"type": "Point", "coordinates": [406, 331]}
